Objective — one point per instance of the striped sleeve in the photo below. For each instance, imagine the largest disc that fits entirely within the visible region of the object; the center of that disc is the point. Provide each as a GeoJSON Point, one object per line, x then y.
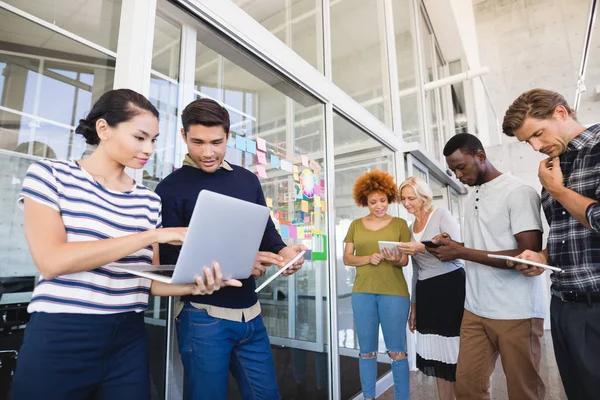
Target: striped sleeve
{"type": "Point", "coordinates": [159, 218]}
{"type": "Point", "coordinates": [40, 185]}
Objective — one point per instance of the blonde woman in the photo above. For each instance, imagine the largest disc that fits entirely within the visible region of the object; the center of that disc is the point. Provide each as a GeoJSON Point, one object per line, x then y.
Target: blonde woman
{"type": "Point", "coordinates": [438, 295]}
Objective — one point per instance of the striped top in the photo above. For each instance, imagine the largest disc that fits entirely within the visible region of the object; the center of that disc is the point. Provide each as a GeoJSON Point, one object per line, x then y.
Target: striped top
{"type": "Point", "coordinates": [90, 211]}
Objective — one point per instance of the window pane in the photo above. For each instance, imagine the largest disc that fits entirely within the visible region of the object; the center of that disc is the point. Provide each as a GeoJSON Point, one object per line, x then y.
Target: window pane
{"type": "Point", "coordinates": [97, 21]}
{"type": "Point", "coordinates": [277, 132]}
{"type": "Point", "coordinates": [164, 95]}
{"type": "Point", "coordinates": [359, 154]}
{"type": "Point", "coordinates": [299, 24]}
{"type": "Point", "coordinates": [411, 127]}
{"type": "Point", "coordinates": [166, 47]}
{"type": "Point", "coordinates": [47, 83]}
{"type": "Point", "coordinates": [405, 53]}
{"type": "Point", "coordinates": [427, 49]}
{"type": "Point", "coordinates": [357, 50]}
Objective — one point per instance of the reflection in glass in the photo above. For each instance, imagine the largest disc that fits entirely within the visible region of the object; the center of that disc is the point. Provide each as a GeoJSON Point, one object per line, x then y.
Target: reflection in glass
{"type": "Point", "coordinates": [97, 21]}
{"type": "Point", "coordinates": [164, 88]}
{"type": "Point", "coordinates": [166, 47]}
{"type": "Point", "coordinates": [47, 83]}
{"type": "Point", "coordinates": [428, 46]}
{"type": "Point", "coordinates": [405, 53]}
{"type": "Point", "coordinates": [458, 100]}
{"type": "Point", "coordinates": [409, 111]}
{"type": "Point", "coordinates": [357, 51]}
{"type": "Point", "coordinates": [351, 161]}
{"type": "Point", "coordinates": [298, 23]}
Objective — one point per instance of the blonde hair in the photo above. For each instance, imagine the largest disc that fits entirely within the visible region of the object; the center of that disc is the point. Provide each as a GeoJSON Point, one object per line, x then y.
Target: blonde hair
{"type": "Point", "coordinates": [422, 191]}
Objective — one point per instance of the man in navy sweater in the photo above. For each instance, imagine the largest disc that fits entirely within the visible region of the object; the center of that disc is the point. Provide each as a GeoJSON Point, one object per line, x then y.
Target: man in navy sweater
{"type": "Point", "coordinates": [224, 331]}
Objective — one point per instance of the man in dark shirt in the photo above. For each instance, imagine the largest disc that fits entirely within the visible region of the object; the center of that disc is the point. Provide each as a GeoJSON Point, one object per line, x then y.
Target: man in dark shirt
{"type": "Point", "coordinates": [571, 180]}
{"type": "Point", "coordinates": [224, 331]}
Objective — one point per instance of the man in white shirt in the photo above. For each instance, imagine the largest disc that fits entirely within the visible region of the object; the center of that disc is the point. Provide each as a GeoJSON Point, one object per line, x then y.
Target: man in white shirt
{"type": "Point", "coordinates": [504, 310]}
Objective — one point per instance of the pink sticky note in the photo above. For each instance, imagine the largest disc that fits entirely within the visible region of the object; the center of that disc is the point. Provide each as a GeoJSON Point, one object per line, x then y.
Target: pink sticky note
{"type": "Point", "coordinates": [261, 144]}
{"type": "Point", "coordinates": [262, 157]}
{"type": "Point", "coordinates": [305, 161]}
{"type": "Point", "coordinates": [261, 171]}
{"type": "Point", "coordinates": [307, 219]}
{"type": "Point", "coordinates": [293, 232]}
{"type": "Point", "coordinates": [317, 188]}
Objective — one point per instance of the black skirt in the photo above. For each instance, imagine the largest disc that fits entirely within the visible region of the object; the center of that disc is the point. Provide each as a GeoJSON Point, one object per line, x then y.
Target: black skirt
{"type": "Point", "coordinates": [440, 306]}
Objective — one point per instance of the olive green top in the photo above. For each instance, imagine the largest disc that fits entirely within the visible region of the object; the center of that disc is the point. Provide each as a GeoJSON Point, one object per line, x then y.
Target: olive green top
{"type": "Point", "coordinates": [384, 278]}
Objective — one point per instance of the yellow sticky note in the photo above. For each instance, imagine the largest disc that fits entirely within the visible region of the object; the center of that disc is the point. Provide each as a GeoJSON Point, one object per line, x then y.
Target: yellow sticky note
{"type": "Point", "coordinates": [300, 232]}
{"type": "Point", "coordinates": [323, 206]}
{"type": "Point", "coordinates": [304, 205]}
{"type": "Point", "coordinates": [269, 202]}
{"type": "Point", "coordinates": [317, 201]}
{"type": "Point", "coordinates": [296, 178]}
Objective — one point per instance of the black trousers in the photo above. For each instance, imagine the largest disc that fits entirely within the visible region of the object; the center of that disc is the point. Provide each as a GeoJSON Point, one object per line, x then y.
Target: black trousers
{"type": "Point", "coordinates": [576, 337]}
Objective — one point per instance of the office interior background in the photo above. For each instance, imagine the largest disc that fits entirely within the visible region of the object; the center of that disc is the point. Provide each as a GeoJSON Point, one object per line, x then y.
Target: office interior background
{"type": "Point", "coordinates": [319, 92]}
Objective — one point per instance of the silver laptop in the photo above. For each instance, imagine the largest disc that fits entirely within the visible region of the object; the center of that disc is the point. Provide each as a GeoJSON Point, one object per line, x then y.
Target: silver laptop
{"type": "Point", "coordinates": [222, 229]}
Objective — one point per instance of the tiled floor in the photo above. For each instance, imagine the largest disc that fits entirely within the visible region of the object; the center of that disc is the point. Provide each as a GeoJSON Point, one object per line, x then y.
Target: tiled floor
{"type": "Point", "coordinates": [424, 387]}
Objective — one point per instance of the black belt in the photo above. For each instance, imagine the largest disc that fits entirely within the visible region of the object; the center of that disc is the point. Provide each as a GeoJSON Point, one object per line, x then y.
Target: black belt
{"type": "Point", "coordinates": [578, 297]}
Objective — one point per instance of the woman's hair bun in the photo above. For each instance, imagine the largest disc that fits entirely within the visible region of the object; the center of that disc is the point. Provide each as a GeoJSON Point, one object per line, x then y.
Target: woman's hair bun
{"type": "Point", "coordinates": [88, 132]}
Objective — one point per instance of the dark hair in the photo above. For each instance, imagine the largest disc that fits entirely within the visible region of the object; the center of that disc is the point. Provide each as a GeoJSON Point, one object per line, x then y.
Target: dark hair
{"type": "Point", "coordinates": [465, 142]}
{"type": "Point", "coordinates": [536, 103]}
{"type": "Point", "coordinates": [205, 112]}
{"type": "Point", "coordinates": [114, 106]}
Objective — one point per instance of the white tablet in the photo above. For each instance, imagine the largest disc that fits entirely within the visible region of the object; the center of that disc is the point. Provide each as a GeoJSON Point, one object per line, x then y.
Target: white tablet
{"type": "Point", "coordinates": [276, 274]}
{"type": "Point", "coordinates": [387, 245]}
{"type": "Point", "coordinates": [518, 260]}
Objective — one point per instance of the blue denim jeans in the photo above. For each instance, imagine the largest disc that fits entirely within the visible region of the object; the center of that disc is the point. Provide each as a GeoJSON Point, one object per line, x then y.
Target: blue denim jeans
{"type": "Point", "coordinates": [391, 312]}
{"type": "Point", "coordinates": [212, 347]}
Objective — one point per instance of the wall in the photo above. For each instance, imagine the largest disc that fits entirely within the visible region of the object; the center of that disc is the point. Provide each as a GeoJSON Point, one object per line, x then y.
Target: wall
{"type": "Point", "coordinates": [530, 43]}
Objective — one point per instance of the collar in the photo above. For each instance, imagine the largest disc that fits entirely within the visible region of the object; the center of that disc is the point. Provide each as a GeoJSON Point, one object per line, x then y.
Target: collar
{"type": "Point", "coordinates": [189, 161]}
{"type": "Point", "coordinates": [580, 141]}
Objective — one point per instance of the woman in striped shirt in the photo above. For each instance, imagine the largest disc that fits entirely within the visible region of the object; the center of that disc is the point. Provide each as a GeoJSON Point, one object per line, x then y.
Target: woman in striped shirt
{"type": "Point", "coordinates": [86, 337]}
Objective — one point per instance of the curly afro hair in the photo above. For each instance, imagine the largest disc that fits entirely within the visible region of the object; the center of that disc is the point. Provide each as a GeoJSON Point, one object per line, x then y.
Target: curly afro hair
{"type": "Point", "coordinates": [375, 181]}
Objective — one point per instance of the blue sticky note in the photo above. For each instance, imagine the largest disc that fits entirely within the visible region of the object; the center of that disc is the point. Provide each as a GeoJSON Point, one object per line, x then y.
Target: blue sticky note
{"type": "Point", "coordinates": [274, 161]}
{"type": "Point", "coordinates": [251, 146]}
{"type": "Point", "coordinates": [231, 141]}
{"type": "Point", "coordinates": [285, 232]}
{"type": "Point", "coordinates": [240, 143]}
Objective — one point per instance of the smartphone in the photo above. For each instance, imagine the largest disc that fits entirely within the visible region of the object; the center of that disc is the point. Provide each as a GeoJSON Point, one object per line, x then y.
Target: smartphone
{"type": "Point", "coordinates": [429, 243]}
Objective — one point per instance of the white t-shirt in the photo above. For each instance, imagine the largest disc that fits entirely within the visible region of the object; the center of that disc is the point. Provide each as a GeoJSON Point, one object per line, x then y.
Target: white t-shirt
{"type": "Point", "coordinates": [494, 213]}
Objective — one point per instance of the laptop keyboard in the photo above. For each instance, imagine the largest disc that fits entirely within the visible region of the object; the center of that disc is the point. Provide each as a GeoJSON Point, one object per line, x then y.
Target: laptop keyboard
{"type": "Point", "coordinates": [168, 274]}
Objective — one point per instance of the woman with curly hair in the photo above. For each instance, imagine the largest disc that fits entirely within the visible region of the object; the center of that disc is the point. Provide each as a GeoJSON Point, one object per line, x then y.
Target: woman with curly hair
{"type": "Point", "coordinates": [380, 293]}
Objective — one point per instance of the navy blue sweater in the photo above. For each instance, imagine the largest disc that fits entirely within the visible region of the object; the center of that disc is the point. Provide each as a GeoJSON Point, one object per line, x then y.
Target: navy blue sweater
{"type": "Point", "coordinates": [179, 192]}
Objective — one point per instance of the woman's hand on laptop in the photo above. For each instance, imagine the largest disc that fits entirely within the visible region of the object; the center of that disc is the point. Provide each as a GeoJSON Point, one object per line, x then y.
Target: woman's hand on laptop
{"type": "Point", "coordinates": [288, 253]}
{"type": "Point", "coordinates": [174, 236]}
{"type": "Point", "coordinates": [211, 282]}
{"type": "Point", "coordinates": [263, 260]}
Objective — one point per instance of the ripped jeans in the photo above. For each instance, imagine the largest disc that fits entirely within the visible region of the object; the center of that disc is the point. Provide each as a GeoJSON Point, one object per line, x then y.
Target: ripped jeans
{"type": "Point", "coordinates": [391, 312]}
